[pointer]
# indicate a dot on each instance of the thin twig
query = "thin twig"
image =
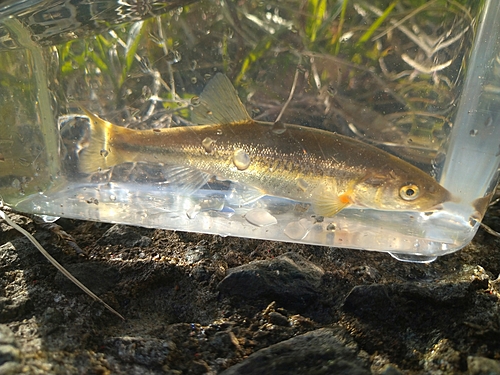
(56, 264)
(292, 91)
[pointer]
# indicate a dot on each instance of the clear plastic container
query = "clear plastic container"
(418, 80)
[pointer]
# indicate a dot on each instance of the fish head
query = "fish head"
(401, 189)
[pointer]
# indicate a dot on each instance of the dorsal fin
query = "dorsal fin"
(219, 104)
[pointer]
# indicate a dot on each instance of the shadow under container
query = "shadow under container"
(421, 82)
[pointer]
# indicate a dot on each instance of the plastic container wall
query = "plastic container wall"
(417, 81)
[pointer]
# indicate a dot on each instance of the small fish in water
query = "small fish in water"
(327, 170)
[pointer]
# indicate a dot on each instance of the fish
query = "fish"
(327, 170)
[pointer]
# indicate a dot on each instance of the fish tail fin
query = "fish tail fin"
(99, 154)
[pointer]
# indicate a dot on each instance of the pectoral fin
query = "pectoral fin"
(329, 200)
(330, 205)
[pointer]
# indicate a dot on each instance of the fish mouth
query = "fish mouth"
(437, 207)
(440, 206)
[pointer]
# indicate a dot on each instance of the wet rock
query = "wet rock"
(482, 366)
(289, 279)
(323, 351)
(125, 236)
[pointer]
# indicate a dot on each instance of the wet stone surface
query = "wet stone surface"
(200, 304)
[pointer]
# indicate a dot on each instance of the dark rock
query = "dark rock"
(16, 307)
(381, 300)
(383, 311)
(195, 254)
(225, 341)
(317, 352)
(289, 279)
(278, 319)
(125, 236)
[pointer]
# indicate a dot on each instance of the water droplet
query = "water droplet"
(302, 184)
(278, 127)
(241, 159)
(219, 132)
(296, 231)
(331, 227)
(104, 153)
(473, 132)
(195, 101)
(260, 218)
(112, 197)
(194, 80)
(488, 122)
(194, 64)
(208, 144)
(173, 57)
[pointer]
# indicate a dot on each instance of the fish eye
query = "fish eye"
(409, 192)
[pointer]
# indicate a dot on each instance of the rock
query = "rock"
(125, 236)
(289, 279)
(10, 355)
(393, 303)
(8, 254)
(390, 370)
(278, 319)
(144, 351)
(482, 366)
(223, 342)
(318, 352)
